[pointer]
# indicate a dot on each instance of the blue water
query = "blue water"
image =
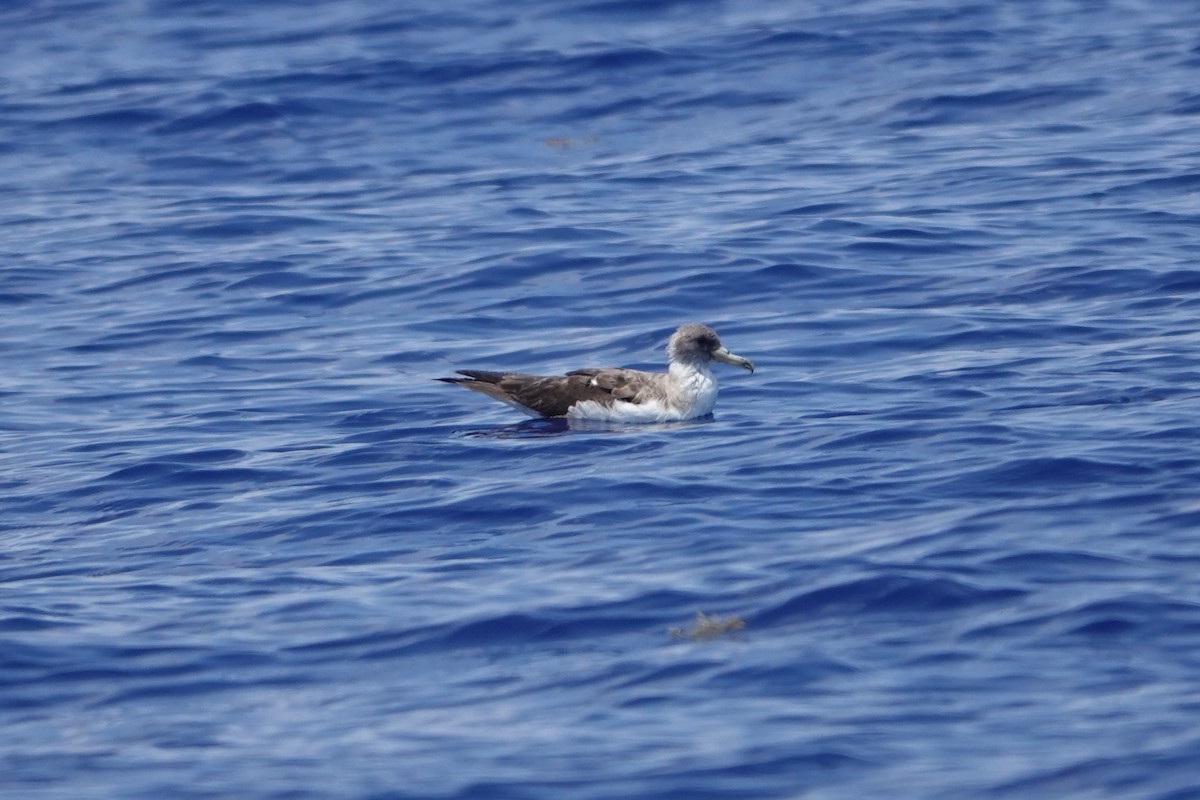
(252, 550)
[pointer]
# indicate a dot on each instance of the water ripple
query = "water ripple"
(253, 549)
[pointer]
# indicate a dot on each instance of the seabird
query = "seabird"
(685, 391)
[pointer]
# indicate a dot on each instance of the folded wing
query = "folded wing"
(553, 396)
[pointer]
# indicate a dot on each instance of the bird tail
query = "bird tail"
(484, 382)
(486, 376)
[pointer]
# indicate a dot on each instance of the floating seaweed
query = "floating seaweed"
(705, 627)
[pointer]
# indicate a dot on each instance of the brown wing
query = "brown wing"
(631, 385)
(553, 396)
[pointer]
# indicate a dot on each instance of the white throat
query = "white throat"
(693, 389)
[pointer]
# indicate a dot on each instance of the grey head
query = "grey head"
(698, 344)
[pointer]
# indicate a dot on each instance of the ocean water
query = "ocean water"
(945, 536)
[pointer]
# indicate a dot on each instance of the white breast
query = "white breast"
(694, 390)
